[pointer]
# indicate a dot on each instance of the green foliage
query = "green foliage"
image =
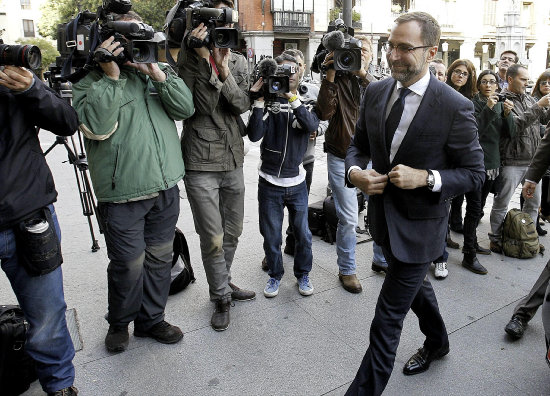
(49, 52)
(54, 12)
(335, 12)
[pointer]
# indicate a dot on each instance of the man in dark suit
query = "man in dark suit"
(422, 139)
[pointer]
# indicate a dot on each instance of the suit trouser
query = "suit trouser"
(217, 203)
(527, 307)
(405, 287)
(140, 239)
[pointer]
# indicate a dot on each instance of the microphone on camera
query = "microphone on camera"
(267, 67)
(333, 40)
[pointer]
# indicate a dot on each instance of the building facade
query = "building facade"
(18, 19)
(478, 30)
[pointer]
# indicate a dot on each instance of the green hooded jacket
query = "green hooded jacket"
(130, 135)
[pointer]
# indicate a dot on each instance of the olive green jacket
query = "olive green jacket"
(212, 138)
(130, 134)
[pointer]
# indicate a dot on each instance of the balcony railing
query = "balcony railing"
(287, 21)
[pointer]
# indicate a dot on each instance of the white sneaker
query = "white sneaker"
(440, 270)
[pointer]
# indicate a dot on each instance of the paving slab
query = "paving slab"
(295, 345)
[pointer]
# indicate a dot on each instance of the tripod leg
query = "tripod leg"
(85, 199)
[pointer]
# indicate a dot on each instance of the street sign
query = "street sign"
(250, 52)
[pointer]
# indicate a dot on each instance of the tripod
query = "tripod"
(80, 165)
(79, 162)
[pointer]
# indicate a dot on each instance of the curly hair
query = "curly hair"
(470, 88)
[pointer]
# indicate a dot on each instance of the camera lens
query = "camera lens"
(140, 54)
(222, 40)
(346, 59)
(28, 56)
(276, 86)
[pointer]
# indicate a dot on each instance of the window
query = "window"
(292, 6)
(25, 4)
(28, 28)
(489, 16)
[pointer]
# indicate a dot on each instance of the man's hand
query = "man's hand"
(221, 57)
(313, 135)
(408, 178)
(15, 78)
(150, 69)
(256, 88)
(329, 64)
(544, 101)
(200, 32)
(508, 106)
(111, 69)
(369, 181)
(528, 190)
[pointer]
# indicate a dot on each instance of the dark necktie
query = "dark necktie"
(395, 116)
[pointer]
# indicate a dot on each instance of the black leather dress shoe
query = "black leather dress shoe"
(420, 361)
(516, 327)
(474, 265)
(379, 267)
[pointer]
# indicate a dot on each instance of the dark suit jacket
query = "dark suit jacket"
(443, 137)
(541, 159)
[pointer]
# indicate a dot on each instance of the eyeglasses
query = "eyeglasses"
(402, 49)
(545, 83)
(488, 82)
(458, 73)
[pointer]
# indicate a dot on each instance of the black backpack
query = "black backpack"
(182, 272)
(17, 368)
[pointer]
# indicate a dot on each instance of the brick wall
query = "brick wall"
(250, 15)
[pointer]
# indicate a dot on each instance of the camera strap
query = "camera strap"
(70, 33)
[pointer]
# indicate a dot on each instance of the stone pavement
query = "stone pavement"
(294, 345)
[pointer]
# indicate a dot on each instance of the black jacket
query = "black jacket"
(26, 183)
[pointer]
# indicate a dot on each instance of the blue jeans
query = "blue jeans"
(345, 202)
(272, 200)
(42, 301)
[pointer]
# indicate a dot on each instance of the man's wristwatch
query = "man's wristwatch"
(430, 180)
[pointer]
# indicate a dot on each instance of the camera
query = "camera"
(347, 50)
(501, 97)
(349, 57)
(78, 40)
(136, 38)
(275, 77)
(187, 15)
(28, 56)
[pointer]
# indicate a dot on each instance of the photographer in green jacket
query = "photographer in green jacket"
(127, 115)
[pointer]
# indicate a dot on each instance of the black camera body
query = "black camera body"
(275, 79)
(78, 40)
(348, 58)
(347, 50)
(136, 38)
(187, 15)
(28, 56)
(501, 97)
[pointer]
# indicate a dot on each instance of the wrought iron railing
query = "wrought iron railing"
(288, 21)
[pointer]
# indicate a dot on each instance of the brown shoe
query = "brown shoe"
(351, 283)
(239, 294)
(452, 244)
(495, 247)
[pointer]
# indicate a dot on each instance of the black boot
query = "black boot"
(471, 262)
(220, 317)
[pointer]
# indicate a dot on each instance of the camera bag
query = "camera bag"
(17, 368)
(182, 273)
(519, 235)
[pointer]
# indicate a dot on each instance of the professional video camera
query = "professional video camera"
(347, 50)
(28, 56)
(275, 77)
(186, 15)
(78, 40)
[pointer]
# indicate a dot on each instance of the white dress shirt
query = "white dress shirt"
(412, 103)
